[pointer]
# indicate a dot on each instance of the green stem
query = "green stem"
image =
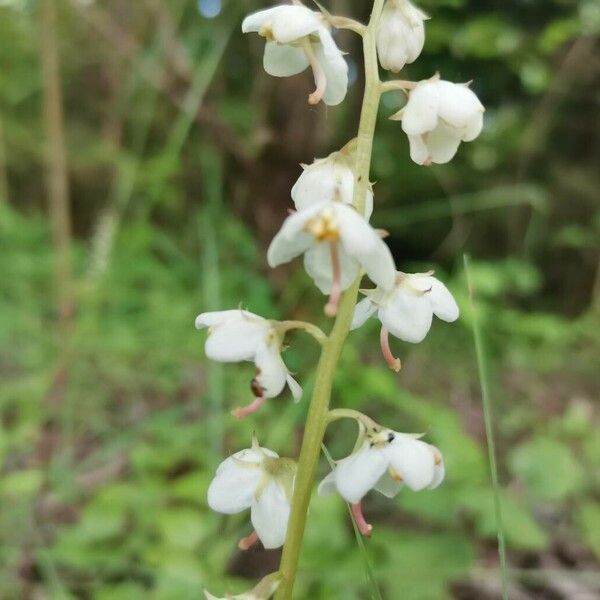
(317, 418)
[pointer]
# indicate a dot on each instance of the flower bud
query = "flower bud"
(401, 34)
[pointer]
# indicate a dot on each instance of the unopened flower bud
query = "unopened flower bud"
(401, 34)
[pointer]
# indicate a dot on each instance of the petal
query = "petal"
(421, 111)
(363, 243)
(232, 489)
(363, 311)
(369, 198)
(473, 129)
(442, 301)
(439, 471)
(413, 460)
(269, 514)
(208, 319)
(332, 61)
(458, 104)
(316, 184)
(253, 22)
(388, 486)
(252, 456)
(407, 316)
(327, 485)
(360, 472)
(317, 262)
(295, 387)
(419, 152)
(290, 23)
(282, 60)
(272, 372)
(292, 240)
(443, 143)
(235, 340)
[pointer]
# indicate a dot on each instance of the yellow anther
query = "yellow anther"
(267, 32)
(323, 227)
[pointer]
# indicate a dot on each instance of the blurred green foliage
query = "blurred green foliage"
(109, 437)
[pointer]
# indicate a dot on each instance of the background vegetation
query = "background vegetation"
(181, 153)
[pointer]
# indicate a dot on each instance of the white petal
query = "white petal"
(458, 104)
(209, 319)
(249, 455)
(332, 61)
(272, 372)
(407, 316)
(360, 472)
(269, 514)
(317, 262)
(327, 486)
(235, 340)
(283, 60)
(369, 204)
(363, 311)
(292, 240)
(317, 183)
(442, 302)
(421, 111)
(253, 22)
(295, 388)
(388, 486)
(363, 243)
(291, 23)
(232, 489)
(439, 471)
(419, 152)
(413, 460)
(473, 129)
(443, 143)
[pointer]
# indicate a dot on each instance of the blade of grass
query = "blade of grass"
(489, 428)
(368, 566)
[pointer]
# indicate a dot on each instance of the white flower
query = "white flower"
(263, 591)
(256, 478)
(400, 35)
(336, 242)
(239, 335)
(386, 461)
(406, 311)
(296, 38)
(438, 116)
(330, 178)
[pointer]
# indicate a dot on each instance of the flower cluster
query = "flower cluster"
(330, 228)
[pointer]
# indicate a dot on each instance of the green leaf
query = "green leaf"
(588, 521)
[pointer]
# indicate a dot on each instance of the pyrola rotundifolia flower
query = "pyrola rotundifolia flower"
(239, 335)
(297, 37)
(256, 478)
(336, 242)
(330, 178)
(406, 311)
(385, 462)
(401, 34)
(438, 116)
(263, 591)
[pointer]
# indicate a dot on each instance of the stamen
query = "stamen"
(249, 541)
(243, 411)
(318, 73)
(360, 520)
(393, 362)
(336, 281)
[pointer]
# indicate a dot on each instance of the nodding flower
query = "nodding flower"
(406, 311)
(296, 38)
(385, 461)
(256, 479)
(337, 242)
(239, 335)
(438, 116)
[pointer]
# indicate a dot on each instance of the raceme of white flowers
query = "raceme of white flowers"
(401, 34)
(256, 478)
(438, 116)
(297, 37)
(239, 335)
(330, 228)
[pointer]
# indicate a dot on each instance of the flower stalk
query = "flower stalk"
(318, 413)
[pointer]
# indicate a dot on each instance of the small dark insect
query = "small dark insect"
(391, 437)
